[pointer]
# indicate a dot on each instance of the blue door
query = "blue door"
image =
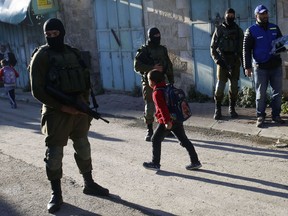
(120, 32)
(205, 16)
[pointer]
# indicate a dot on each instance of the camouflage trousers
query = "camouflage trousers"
(149, 109)
(58, 127)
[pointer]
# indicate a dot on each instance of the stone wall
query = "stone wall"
(78, 18)
(172, 19)
(282, 20)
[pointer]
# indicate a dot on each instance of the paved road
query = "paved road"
(238, 177)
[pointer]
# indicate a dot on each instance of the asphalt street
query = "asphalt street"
(238, 177)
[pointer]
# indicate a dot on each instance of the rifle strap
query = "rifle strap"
(95, 105)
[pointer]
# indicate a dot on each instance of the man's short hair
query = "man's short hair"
(156, 76)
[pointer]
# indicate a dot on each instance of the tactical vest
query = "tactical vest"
(229, 40)
(154, 55)
(66, 73)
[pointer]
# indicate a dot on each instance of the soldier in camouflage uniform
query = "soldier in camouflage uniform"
(59, 66)
(226, 51)
(148, 57)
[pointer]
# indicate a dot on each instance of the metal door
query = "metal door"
(120, 32)
(205, 15)
(22, 40)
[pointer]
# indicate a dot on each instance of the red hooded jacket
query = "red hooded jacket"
(162, 113)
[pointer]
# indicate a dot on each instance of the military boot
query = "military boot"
(217, 114)
(92, 188)
(149, 132)
(56, 199)
(232, 111)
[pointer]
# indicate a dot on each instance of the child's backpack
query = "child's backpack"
(177, 103)
(9, 75)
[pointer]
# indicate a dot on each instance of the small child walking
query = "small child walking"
(156, 81)
(9, 75)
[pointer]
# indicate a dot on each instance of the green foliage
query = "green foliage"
(284, 106)
(225, 101)
(246, 97)
(195, 96)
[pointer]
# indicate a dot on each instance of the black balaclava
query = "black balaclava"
(56, 43)
(151, 39)
(228, 20)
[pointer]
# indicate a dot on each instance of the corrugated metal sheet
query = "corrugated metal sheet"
(21, 40)
(118, 38)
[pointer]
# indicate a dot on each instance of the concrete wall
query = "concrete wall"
(172, 19)
(282, 20)
(78, 18)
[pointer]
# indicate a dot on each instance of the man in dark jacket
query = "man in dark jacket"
(267, 67)
(148, 57)
(226, 51)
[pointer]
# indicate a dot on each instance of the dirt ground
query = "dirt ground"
(239, 176)
(24, 190)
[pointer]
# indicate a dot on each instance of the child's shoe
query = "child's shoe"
(151, 166)
(194, 166)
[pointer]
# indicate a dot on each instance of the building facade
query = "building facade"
(110, 32)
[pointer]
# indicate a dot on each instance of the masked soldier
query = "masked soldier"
(60, 67)
(226, 51)
(148, 57)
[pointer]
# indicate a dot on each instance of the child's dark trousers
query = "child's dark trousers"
(178, 129)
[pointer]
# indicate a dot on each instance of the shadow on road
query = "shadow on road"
(6, 209)
(94, 135)
(68, 209)
(211, 180)
(241, 149)
(145, 210)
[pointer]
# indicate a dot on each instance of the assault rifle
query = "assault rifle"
(224, 64)
(72, 101)
(279, 45)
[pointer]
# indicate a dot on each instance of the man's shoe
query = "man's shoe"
(55, 203)
(149, 132)
(151, 166)
(233, 113)
(194, 166)
(278, 120)
(148, 136)
(95, 189)
(217, 114)
(260, 121)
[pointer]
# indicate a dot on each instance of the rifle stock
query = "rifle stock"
(77, 104)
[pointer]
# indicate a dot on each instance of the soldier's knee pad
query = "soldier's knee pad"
(82, 147)
(54, 158)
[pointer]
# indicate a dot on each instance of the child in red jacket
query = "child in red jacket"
(9, 75)
(166, 125)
